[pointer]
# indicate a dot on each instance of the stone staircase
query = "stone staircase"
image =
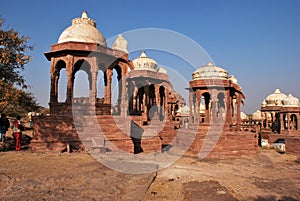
(92, 133)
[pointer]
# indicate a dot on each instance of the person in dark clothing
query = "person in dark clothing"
(4, 125)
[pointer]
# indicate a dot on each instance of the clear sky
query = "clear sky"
(258, 41)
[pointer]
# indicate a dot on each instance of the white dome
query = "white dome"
(275, 99)
(210, 71)
(244, 116)
(257, 115)
(162, 70)
(144, 63)
(82, 30)
(291, 101)
(202, 108)
(184, 110)
(120, 44)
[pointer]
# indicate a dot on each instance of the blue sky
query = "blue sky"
(258, 41)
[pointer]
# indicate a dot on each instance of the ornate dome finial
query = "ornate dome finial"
(84, 15)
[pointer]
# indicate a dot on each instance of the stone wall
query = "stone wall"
(214, 144)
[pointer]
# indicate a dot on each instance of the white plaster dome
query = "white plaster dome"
(256, 116)
(120, 44)
(144, 63)
(276, 98)
(210, 71)
(162, 70)
(82, 30)
(244, 116)
(184, 110)
(291, 101)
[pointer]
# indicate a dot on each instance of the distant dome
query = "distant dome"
(82, 30)
(184, 110)
(276, 98)
(202, 108)
(210, 71)
(244, 116)
(120, 44)
(144, 63)
(162, 70)
(291, 101)
(256, 116)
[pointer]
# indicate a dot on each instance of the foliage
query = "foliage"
(13, 99)
(12, 56)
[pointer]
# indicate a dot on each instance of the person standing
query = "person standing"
(4, 125)
(17, 129)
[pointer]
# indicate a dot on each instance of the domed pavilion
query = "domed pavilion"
(219, 93)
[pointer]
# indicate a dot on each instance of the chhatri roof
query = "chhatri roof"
(290, 101)
(210, 71)
(82, 30)
(143, 62)
(276, 98)
(257, 115)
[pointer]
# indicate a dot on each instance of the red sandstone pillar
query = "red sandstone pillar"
(107, 95)
(228, 110)
(54, 82)
(281, 121)
(191, 103)
(288, 121)
(93, 92)
(238, 115)
(166, 102)
(69, 95)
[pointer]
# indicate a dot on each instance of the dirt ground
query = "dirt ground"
(25, 175)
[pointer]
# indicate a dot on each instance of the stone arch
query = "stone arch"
(59, 81)
(116, 89)
(294, 122)
(100, 84)
(162, 103)
(81, 84)
(206, 101)
(221, 105)
(82, 65)
(152, 100)
(162, 95)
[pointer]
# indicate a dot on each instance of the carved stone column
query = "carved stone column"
(238, 115)
(69, 95)
(166, 102)
(157, 98)
(123, 91)
(70, 80)
(228, 109)
(54, 82)
(93, 93)
(282, 121)
(288, 121)
(191, 93)
(197, 103)
(107, 94)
